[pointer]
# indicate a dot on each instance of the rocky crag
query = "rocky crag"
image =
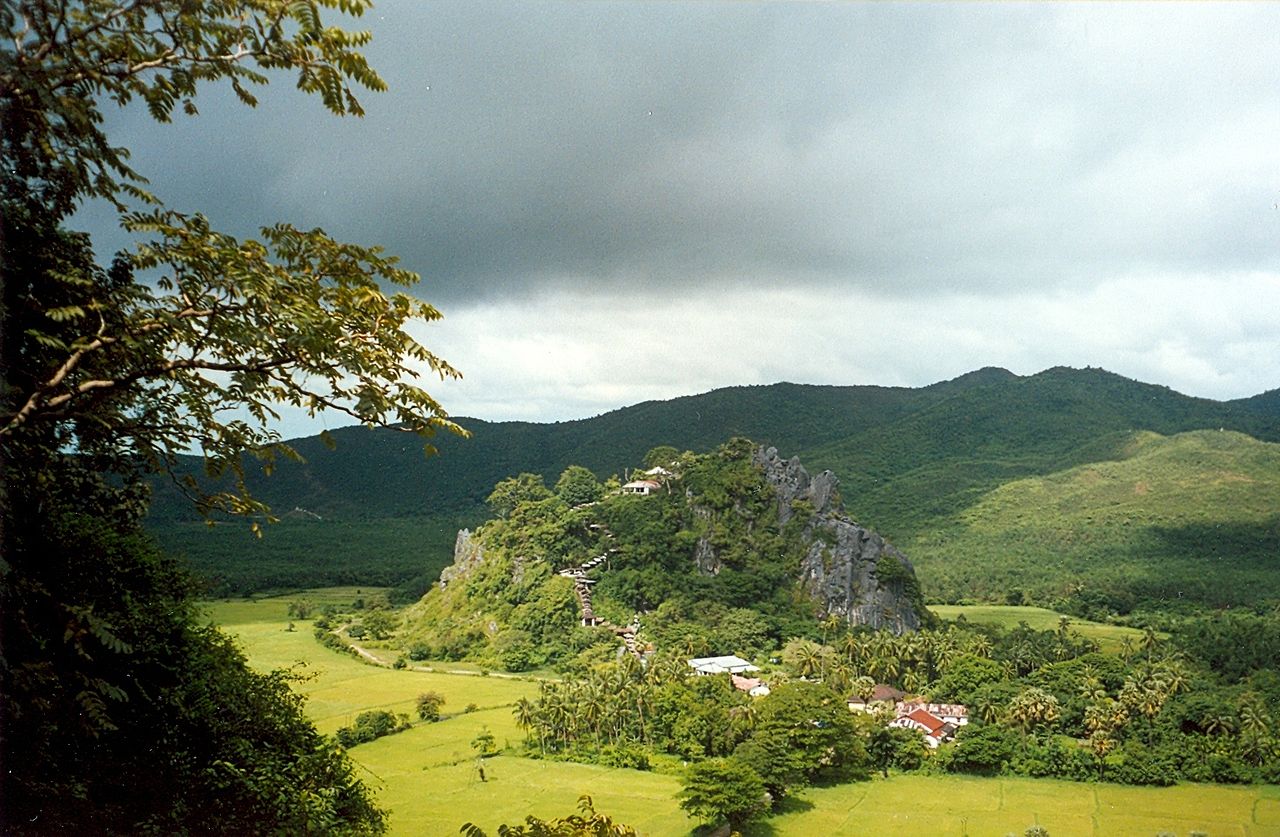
(850, 571)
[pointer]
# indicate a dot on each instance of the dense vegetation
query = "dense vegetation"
(514, 610)
(1169, 522)
(439, 756)
(1197, 707)
(122, 712)
(926, 467)
(300, 551)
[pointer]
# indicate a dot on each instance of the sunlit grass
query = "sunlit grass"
(1109, 637)
(429, 777)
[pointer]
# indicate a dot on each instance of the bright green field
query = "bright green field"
(428, 778)
(1109, 637)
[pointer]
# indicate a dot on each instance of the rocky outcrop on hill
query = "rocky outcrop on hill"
(467, 553)
(850, 571)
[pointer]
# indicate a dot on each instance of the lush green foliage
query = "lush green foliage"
(106, 671)
(513, 609)
(369, 725)
(98, 685)
(723, 789)
(146, 371)
(913, 466)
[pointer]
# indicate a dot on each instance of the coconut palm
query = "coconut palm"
(1150, 641)
(851, 647)
(1031, 708)
(526, 712)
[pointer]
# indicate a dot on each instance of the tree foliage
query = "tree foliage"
(191, 341)
(723, 789)
(588, 822)
(224, 331)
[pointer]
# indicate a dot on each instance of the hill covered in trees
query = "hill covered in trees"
(734, 549)
(913, 464)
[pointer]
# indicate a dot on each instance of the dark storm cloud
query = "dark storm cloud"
(888, 146)
(834, 193)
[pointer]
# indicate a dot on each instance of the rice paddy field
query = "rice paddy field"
(429, 778)
(1109, 637)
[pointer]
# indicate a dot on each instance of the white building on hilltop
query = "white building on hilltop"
(721, 665)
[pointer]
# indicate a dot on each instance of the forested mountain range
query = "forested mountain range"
(912, 463)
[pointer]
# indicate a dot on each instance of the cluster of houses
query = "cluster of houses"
(937, 722)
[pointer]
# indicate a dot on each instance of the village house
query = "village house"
(753, 686)
(642, 487)
(956, 714)
(881, 694)
(934, 728)
(729, 664)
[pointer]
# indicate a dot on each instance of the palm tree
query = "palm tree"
(1150, 640)
(851, 647)
(1033, 707)
(887, 667)
(808, 659)
(981, 646)
(840, 677)
(526, 713)
(1218, 723)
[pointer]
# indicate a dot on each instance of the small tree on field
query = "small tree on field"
(429, 705)
(724, 789)
(484, 743)
(379, 624)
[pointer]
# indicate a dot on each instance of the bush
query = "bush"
(370, 725)
(429, 704)
(626, 756)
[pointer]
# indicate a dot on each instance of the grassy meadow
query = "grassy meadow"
(1110, 638)
(429, 778)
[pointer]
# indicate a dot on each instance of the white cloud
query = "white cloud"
(568, 355)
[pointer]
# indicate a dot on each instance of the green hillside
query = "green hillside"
(1193, 517)
(901, 477)
(911, 462)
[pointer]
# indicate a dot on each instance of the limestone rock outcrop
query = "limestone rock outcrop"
(850, 571)
(467, 554)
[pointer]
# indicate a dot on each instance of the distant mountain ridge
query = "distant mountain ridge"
(380, 473)
(910, 460)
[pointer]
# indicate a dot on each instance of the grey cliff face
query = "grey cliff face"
(467, 553)
(850, 571)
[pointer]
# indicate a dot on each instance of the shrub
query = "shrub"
(429, 704)
(370, 725)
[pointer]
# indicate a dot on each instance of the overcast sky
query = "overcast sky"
(613, 202)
